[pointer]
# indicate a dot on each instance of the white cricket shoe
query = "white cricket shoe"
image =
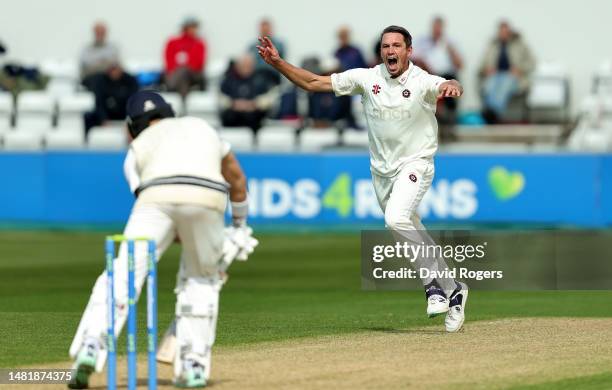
(193, 376)
(437, 303)
(456, 313)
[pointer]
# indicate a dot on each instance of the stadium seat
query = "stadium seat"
(64, 76)
(215, 69)
(4, 128)
(175, 100)
(602, 82)
(314, 140)
(276, 139)
(241, 138)
(6, 108)
(71, 109)
(588, 137)
(78, 102)
(355, 138)
(548, 98)
(60, 87)
(358, 113)
(66, 69)
(35, 109)
(107, 138)
(64, 139)
(21, 140)
(203, 105)
(594, 110)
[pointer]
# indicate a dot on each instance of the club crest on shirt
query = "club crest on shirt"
(406, 93)
(376, 89)
(412, 176)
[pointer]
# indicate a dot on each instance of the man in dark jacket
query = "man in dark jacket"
(246, 95)
(112, 90)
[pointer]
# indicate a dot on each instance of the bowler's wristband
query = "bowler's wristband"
(240, 210)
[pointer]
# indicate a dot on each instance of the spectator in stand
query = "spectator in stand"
(112, 90)
(97, 57)
(505, 70)
(377, 58)
(349, 57)
(266, 30)
(185, 57)
(246, 95)
(438, 54)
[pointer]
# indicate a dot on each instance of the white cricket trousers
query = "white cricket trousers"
(201, 233)
(399, 197)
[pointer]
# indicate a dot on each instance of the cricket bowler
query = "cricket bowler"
(181, 173)
(399, 102)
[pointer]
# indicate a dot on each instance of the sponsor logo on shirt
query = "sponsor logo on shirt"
(396, 114)
(406, 93)
(376, 89)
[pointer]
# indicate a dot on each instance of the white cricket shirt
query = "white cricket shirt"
(177, 147)
(400, 113)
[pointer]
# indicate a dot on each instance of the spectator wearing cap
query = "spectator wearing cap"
(97, 57)
(112, 91)
(185, 58)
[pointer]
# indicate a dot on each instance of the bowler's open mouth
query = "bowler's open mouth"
(392, 60)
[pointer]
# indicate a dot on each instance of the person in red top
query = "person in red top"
(185, 57)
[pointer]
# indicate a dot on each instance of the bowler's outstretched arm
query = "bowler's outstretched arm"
(301, 77)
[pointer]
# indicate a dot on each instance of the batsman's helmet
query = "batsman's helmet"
(143, 107)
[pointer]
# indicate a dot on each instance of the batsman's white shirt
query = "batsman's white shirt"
(185, 146)
(400, 113)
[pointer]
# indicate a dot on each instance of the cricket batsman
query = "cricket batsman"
(181, 174)
(399, 102)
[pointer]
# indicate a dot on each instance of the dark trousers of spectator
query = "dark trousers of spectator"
(446, 114)
(328, 107)
(92, 119)
(253, 119)
(449, 104)
(182, 79)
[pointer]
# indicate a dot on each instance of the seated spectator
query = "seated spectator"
(505, 68)
(97, 57)
(349, 56)
(112, 90)
(265, 30)
(185, 57)
(377, 59)
(246, 95)
(438, 55)
(321, 105)
(339, 108)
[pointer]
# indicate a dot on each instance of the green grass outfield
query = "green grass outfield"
(294, 286)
